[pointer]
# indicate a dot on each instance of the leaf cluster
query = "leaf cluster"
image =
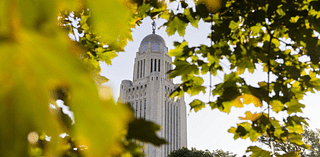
(279, 35)
(40, 65)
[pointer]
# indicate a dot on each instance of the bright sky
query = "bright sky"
(207, 129)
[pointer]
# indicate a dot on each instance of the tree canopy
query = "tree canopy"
(185, 152)
(40, 64)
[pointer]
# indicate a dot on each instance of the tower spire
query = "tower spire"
(153, 26)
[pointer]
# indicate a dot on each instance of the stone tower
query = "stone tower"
(148, 95)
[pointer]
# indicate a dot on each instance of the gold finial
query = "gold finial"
(153, 26)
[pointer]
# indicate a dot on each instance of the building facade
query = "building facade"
(148, 94)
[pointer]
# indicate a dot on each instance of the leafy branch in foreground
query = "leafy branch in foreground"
(280, 36)
(41, 64)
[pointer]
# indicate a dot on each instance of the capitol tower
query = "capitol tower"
(148, 95)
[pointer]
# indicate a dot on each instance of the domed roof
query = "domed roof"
(153, 38)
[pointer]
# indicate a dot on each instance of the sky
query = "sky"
(207, 129)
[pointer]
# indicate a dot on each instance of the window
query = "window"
(129, 89)
(137, 108)
(151, 65)
(156, 78)
(138, 70)
(140, 108)
(137, 87)
(159, 65)
(145, 108)
(144, 47)
(144, 66)
(155, 46)
(122, 86)
(145, 86)
(141, 69)
(155, 65)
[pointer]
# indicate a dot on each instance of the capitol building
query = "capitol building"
(148, 94)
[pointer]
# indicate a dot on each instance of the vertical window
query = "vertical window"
(151, 65)
(140, 109)
(141, 69)
(177, 127)
(174, 127)
(155, 65)
(137, 109)
(145, 109)
(171, 126)
(138, 70)
(159, 65)
(144, 66)
(165, 125)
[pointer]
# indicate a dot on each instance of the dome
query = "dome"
(153, 38)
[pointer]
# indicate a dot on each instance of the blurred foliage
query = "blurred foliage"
(185, 152)
(40, 65)
(281, 36)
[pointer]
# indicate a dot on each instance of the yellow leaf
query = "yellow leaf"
(248, 99)
(250, 116)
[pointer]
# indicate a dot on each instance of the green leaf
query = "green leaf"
(35, 66)
(277, 106)
(256, 29)
(147, 135)
(176, 25)
(197, 105)
(178, 51)
(295, 128)
(295, 138)
(104, 15)
(233, 25)
(294, 106)
(193, 21)
(258, 152)
(35, 12)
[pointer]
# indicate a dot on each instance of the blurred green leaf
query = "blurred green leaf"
(144, 131)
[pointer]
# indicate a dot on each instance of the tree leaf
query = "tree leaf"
(197, 105)
(250, 116)
(258, 152)
(176, 25)
(277, 106)
(104, 15)
(147, 135)
(294, 106)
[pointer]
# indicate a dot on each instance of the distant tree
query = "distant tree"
(185, 152)
(310, 137)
